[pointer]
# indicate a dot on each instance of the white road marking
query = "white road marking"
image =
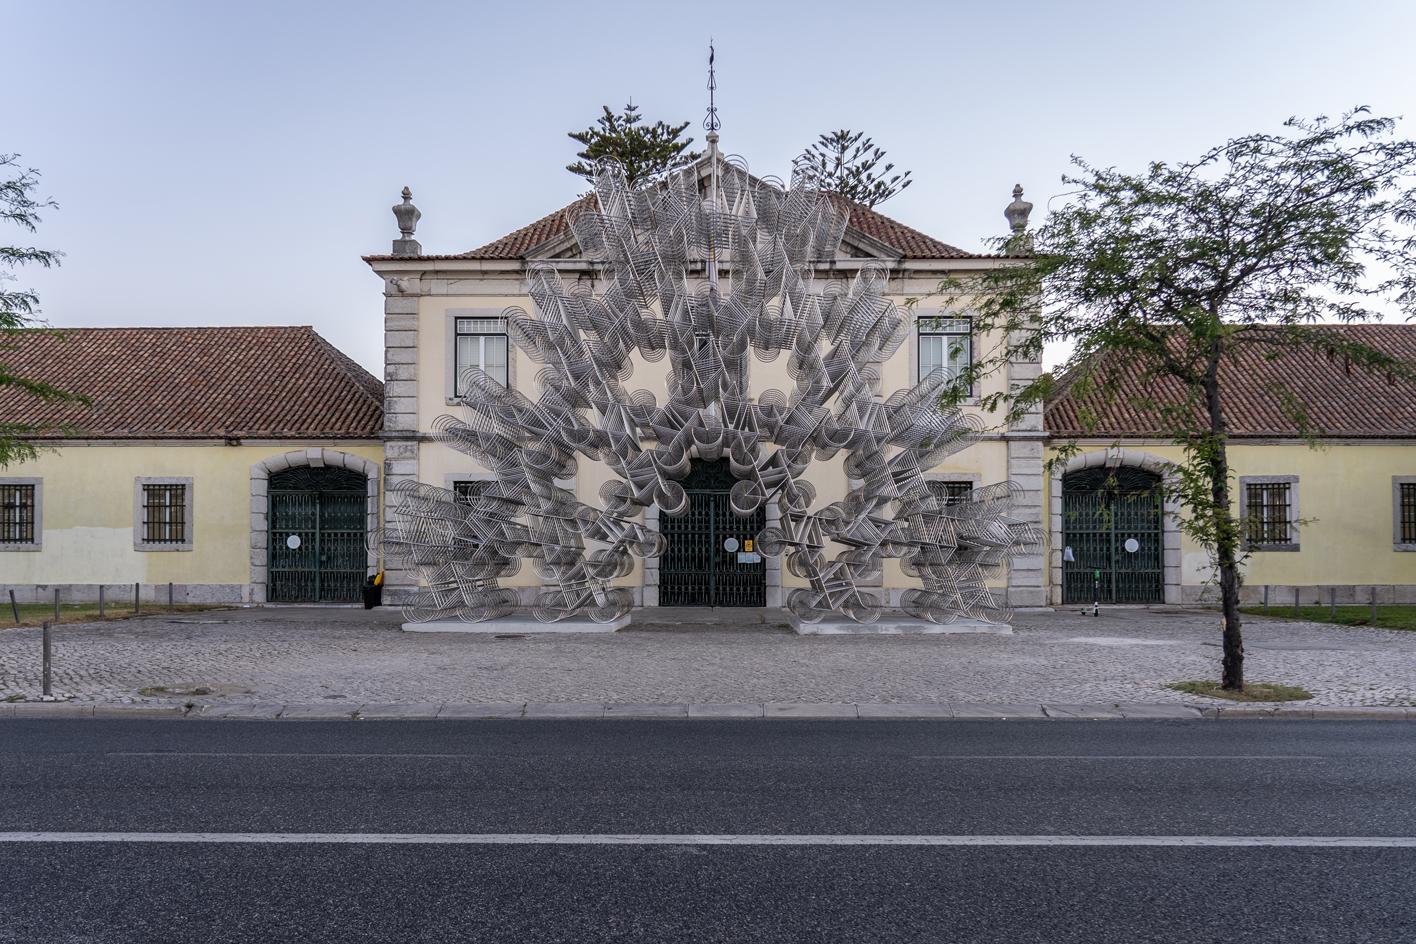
(267, 754)
(657, 839)
(1118, 757)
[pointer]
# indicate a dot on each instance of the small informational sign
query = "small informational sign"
(747, 545)
(730, 545)
(1132, 545)
(749, 557)
(293, 542)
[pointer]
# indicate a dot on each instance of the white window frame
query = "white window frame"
(941, 325)
(38, 542)
(454, 367)
(188, 517)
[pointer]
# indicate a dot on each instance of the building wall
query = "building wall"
(1345, 532)
(419, 383)
(87, 517)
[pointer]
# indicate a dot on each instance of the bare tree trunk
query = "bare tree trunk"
(1226, 531)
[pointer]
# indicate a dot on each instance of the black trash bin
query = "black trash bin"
(373, 591)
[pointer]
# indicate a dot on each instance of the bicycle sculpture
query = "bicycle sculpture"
(714, 283)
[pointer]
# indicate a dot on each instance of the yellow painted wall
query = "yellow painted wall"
(1345, 499)
(87, 512)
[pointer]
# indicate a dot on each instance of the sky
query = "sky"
(229, 163)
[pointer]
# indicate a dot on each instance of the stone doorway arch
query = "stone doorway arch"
(260, 505)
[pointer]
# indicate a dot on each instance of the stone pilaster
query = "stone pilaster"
(400, 412)
(1027, 585)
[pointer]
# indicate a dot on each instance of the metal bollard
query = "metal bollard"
(1295, 602)
(48, 688)
(14, 608)
(169, 593)
(137, 599)
(56, 604)
(1266, 590)
(1332, 604)
(1373, 620)
(100, 601)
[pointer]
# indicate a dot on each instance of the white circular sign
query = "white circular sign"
(730, 545)
(293, 542)
(1132, 545)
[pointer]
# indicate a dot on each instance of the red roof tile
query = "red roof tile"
(1341, 402)
(194, 383)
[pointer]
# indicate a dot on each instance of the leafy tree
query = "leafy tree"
(845, 162)
(19, 309)
(1168, 274)
(642, 151)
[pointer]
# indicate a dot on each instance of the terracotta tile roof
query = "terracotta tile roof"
(1341, 403)
(194, 383)
(907, 242)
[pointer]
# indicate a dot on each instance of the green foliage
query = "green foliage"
(1401, 617)
(19, 309)
(642, 151)
(1162, 276)
(845, 162)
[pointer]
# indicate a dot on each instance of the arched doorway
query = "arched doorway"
(710, 559)
(318, 535)
(1113, 525)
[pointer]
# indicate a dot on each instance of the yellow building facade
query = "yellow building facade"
(203, 457)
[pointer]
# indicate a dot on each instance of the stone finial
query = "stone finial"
(1017, 212)
(407, 216)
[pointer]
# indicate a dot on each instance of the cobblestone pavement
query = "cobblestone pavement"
(309, 655)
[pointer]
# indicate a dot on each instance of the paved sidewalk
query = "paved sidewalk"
(341, 660)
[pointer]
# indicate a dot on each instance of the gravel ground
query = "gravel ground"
(307, 655)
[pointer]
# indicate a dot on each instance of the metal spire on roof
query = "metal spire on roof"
(711, 125)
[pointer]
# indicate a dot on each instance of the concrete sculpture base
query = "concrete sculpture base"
(516, 626)
(896, 627)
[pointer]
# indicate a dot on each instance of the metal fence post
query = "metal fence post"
(56, 604)
(48, 688)
(15, 608)
(137, 597)
(100, 601)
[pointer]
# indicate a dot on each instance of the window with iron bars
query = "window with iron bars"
(164, 514)
(467, 490)
(16, 514)
(951, 493)
(1269, 506)
(1408, 512)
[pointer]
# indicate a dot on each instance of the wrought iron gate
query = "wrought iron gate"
(317, 535)
(1112, 521)
(697, 568)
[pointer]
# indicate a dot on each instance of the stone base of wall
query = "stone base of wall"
(1317, 595)
(121, 594)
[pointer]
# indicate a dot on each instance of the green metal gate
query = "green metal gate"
(697, 568)
(317, 535)
(1112, 522)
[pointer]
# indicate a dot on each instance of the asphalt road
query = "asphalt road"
(520, 812)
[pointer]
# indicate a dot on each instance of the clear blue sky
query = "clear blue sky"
(228, 163)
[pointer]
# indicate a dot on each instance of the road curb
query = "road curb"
(863, 711)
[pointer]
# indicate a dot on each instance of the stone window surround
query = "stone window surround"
(260, 504)
(450, 348)
(1396, 511)
(1292, 481)
(1113, 457)
(189, 520)
(38, 543)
